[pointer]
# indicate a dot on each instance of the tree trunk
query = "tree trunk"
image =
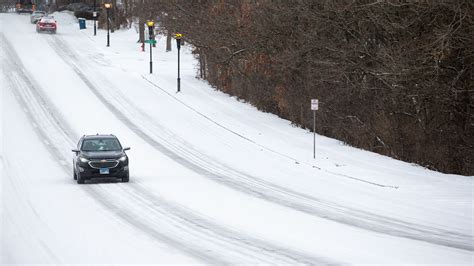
(168, 42)
(113, 14)
(141, 29)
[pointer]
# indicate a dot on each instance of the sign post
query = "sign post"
(151, 40)
(314, 108)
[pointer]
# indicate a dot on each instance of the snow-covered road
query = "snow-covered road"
(212, 179)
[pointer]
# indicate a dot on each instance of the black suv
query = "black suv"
(100, 156)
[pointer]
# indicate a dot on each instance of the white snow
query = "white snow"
(213, 180)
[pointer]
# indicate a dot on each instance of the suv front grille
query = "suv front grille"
(103, 164)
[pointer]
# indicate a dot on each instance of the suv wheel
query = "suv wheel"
(126, 178)
(80, 180)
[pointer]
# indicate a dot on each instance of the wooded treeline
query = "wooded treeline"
(394, 77)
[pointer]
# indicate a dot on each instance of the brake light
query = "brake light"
(44, 24)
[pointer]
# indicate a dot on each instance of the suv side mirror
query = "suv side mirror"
(74, 150)
(126, 148)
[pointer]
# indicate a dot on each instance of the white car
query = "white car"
(36, 15)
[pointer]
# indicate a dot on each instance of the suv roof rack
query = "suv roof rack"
(97, 134)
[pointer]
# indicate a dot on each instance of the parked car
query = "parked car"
(100, 156)
(47, 23)
(36, 15)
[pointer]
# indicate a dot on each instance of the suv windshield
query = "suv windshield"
(106, 144)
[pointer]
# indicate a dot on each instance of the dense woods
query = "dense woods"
(393, 77)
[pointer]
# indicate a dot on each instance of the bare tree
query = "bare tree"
(394, 77)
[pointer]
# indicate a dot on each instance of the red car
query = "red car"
(46, 24)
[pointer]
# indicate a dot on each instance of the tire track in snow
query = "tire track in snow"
(190, 219)
(254, 186)
(17, 186)
(34, 106)
(150, 214)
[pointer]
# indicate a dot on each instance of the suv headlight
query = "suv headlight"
(84, 160)
(123, 158)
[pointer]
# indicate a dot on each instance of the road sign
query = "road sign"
(94, 14)
(314, 104)
(150, 41)
(314, 107)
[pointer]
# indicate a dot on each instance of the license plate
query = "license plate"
(104, 171)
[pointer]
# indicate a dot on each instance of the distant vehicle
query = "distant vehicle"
(36, 15)
(100, 156)
(25, 6)
(47, 23)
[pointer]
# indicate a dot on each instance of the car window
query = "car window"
(106, 144)
(79, 143)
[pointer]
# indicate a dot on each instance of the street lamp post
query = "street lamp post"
(107, 7)
(178, 37)
(151, 24)
(94, 15)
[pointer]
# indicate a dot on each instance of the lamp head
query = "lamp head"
(108, 5)
(150, 23)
